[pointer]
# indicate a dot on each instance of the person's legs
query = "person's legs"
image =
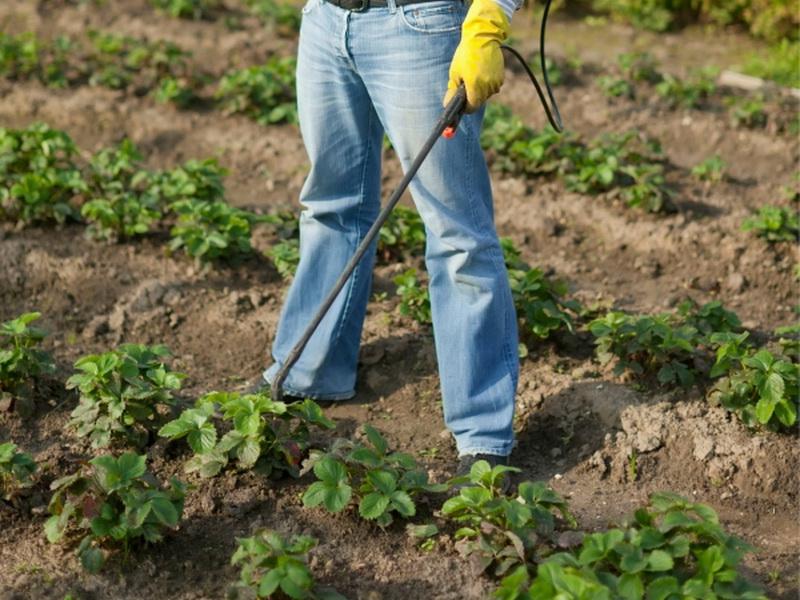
(403, 58)
(341, 198)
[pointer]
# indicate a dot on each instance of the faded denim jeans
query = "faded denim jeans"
(360, 74)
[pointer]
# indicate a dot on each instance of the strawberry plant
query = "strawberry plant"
(383, 482)
(774, 224)
(269, 436)
(647, 189)
(273, 566)
(211, 231)
(761, 388)
(198, 180)
(285, 256)
(121, 392)
(639, 66)
(541, 307)
(711, 169)
(265, 93)
(38, 178)
(687, 93)
(503, 532)
(24, 56)
(120, 206)
(402, 235)
(111, 502)
(415, 302)
(615, 87)
(672, 548)
(177, 91)
(602, 164)
(747, 112)
(647, 344)
(710, 318)
(120, 62)
(276, 14)
(513, 147)
(21, 362)
(16, 470)
(188, 9)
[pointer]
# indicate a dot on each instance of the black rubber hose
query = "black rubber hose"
(553, 114)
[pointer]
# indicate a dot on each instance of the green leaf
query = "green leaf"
(202, 440)
(269, 583)
(630, 586)
(174, 429)
(165, 511)
(373, 505)
(336, 499)
(248, 453)
(663, 588)
(376, 439)
(330, 470)
(383, 481)
(403, 503)
(92, 559)
(773, 388)
(659, 561)
(315, 494)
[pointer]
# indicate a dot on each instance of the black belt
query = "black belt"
(362, 5)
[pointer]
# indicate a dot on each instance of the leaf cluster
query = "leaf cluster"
(627, 163)
(111, 502)
(415, 301)
(541, 307)
(402, 235)
(209, 231)
(21, 361)
(383, 482)
(16, 471)
(666, 344)
(503, 532)
(775, 223)
(760, 387)
(272, 565)
(285, 255)
(275, 14)
(24, 56)
(265, 93)
(689, 92)
(672, 549)
(711, 169)
(271, 437)
(188, 9)
(39, 180)
(121, 392)
(123, 203)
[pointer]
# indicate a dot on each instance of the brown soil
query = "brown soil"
(577, 425)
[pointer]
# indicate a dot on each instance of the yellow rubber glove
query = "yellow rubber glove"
(478, 60)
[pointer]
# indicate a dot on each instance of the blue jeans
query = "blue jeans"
(360, 74)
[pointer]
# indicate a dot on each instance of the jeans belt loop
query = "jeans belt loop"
(392, 6)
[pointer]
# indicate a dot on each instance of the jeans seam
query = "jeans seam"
(354, 277)
(499, 265)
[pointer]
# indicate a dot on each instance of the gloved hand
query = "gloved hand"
(478, 60)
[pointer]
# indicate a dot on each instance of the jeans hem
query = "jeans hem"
(497, 451)
(313, 395)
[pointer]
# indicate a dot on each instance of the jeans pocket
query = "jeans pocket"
(442, 16)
